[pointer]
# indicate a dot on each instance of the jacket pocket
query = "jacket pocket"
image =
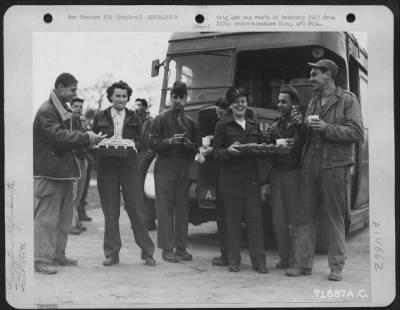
(43, 187)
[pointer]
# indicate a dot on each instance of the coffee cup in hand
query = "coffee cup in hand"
(312, 118)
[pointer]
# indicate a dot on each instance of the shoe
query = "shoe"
(84, 217)
(45, 268)
(169, 256)
(64, 261)
(220, 261)
(149, 261)
(151, 225)
(297, 272)
(234, 268)
(75, 231)
(283, 264)
(335, 275)
(262, 269)
(81, 227)
(183, 254)
(112, 260)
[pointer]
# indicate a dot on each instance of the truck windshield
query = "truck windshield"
(206, 75)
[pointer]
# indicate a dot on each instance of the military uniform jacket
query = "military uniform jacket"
(342, 113)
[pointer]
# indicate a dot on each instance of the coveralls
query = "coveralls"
(171, 176)
(239, 187)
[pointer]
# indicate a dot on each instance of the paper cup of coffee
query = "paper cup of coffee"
(312, 118)
(282, 142)
(206, 141)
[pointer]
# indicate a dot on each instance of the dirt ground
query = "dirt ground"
(196, 283)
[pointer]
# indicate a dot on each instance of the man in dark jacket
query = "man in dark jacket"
(54, 170)
(173, 137)
(334, 124)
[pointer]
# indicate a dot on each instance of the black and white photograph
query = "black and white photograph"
(173, 167)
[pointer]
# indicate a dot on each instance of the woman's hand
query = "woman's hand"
(232, 150)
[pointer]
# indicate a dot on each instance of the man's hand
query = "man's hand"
(95, 137)
(176, 139)
(296, 116)
(290, 142)
(317, 124)
(205, 150)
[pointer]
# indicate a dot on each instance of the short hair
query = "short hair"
(65, 79)
(143, 102)
(76, 99)
(222, 103)
(291, 91)
(120, 85)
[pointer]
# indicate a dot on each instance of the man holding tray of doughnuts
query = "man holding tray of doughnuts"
(116, 172)
(54, 171)
(173, 136)
(334, 124)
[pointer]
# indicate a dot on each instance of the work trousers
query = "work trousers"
(79, 188)
(240, 189)
(171, 176)
(324, 190)
(294, 231)
(147, 209)
(114, 173)
(52, 218)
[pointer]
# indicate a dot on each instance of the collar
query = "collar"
(114, 113)
(64, 111)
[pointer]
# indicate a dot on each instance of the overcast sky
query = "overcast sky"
(91, 55)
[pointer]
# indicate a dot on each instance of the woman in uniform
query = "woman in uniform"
(239, 181)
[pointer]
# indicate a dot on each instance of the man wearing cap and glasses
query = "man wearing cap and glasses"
(334, 124)
(173, 137)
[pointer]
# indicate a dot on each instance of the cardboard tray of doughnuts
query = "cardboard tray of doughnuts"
(263, 149)
(113, 151)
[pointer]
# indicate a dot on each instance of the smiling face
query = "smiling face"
(239, 106)
(284, 104)
(119, 98)
(319, 79)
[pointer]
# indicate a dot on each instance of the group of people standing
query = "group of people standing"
(312, 177)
